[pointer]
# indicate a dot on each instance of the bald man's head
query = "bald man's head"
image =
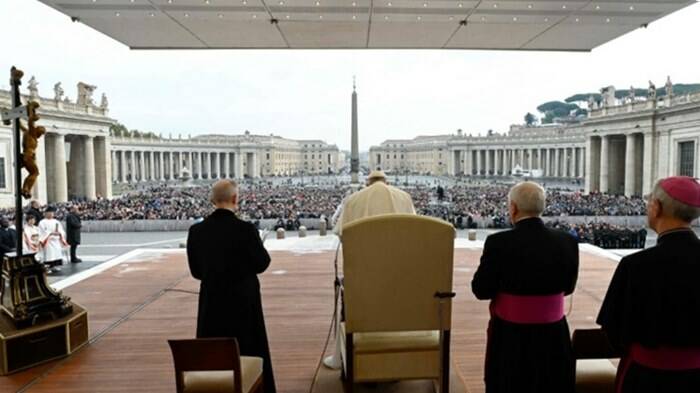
(224, 194)
(527, 199)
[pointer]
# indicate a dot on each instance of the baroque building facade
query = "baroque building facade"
(79, 158)
(622, 147)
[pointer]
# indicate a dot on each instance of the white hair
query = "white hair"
(529, 197)
(672, 207)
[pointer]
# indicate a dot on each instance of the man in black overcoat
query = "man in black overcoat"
(525, 273)
(73, 226)
(651, 311)
(226, 254)
(8, 237)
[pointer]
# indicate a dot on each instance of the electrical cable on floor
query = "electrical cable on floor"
(182, 290)
(331, 328)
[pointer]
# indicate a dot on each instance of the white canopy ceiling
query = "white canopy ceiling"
(574, 25)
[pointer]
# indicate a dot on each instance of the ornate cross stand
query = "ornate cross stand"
(24, 294)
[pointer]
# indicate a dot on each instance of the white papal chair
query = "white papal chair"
(397, 299)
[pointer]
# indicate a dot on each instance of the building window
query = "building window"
(2, 173)
(268, 156)
(687, 158)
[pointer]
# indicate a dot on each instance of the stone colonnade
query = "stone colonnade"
(615, 163)
(133, 165)
(563, 162)
(76, 166)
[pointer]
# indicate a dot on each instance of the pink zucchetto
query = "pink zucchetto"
(684, 189)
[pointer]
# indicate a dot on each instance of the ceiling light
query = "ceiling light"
(255, 16)
(221, 16)
(151, 14)
(187, 15)
(460, 5)
(425, 4)
(418, 17)
(515, 19)
(206, 1)
(354, 3)
(563, 7)
(495, 5)
(170, 1)
(245, 2)
(388, 4)
(117, 14)
(320, 17)
(451, 18)
(607, 20)
(354, 17)
(597, 7)
(281, 2)
(578, 20)
(546, 19)
(631, 8)
(529, 6)
(483, 19)
(286, 16)
(318, 3)
(386, 17)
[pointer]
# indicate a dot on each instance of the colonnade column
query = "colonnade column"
(630, 165)
(604, 162)
(59, 180)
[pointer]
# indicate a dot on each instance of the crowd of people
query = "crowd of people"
(603, 235)
(287, 204)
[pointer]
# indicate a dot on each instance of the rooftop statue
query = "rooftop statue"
(104, 103)
(632, 96)
(58, 92)
(669, 87)
(608, 94)
(651, 94)
(592, 105)
(33, 87)
(85, 93)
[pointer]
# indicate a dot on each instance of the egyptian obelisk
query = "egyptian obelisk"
(354, 150)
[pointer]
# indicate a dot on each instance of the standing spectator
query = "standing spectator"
(226, 254)
(34, 210)
(73, 226)
(525, 273)
(8, 237)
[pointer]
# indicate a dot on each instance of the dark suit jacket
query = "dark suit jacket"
(73, 226)
(8, 241)
(226, 254)
(528, 260)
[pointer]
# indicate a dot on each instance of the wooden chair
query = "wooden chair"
(594, 371)
(397, 299)
(214, 365)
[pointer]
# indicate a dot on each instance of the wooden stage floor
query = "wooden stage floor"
(135, 306)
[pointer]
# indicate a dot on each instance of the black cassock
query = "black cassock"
(654, 300)
(227, 254)
(528, 260)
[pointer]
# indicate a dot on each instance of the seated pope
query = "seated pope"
(525, 272)
(651, 312)
(375, 199)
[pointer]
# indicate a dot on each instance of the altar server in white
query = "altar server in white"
(52, 238)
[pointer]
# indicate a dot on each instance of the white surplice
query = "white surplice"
(53, 239)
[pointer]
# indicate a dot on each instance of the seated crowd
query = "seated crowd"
(649, 314)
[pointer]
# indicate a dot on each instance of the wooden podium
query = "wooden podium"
(28, 347)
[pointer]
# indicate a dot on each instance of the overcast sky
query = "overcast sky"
(306, 94)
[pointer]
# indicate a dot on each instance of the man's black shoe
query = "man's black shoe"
(76, 260)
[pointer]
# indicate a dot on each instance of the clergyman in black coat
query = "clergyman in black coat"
(226, 254)
(73, 226)
(528, 353)
(651, 311)
(8, 237)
